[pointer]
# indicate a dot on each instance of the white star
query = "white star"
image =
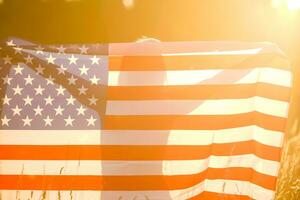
(72, 80)
(16, 110)
(28, 59)
(27, 100)
(18, 69)
(48, 121)
(61, 49)
(6, 100)
(28, 80)
(59, 110)
(93, 100)
(83, 50)
(95, 60)
(50, 80)
(17, 90)
(27, 121)
(50, 59)
(94, 80)
(61, 69)
(73, 60)
(91, 121)
(70, 100)
(60, 90)
(81, 110)
(39, 50)
(83, 70)
(6, 80)
(38, 110)
(82, 90)
(40, 70)
(5, 121)
(39, 90)
(18, 50)
(10, 43)
(48, 100)
(7, 59)
(69, 121)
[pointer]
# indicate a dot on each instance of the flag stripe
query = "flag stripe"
(140, 137)
(200, 77)
(194, 62)
(198, 107)
(233, 189)
(124, 152)
(204, 92)
(192, 122)
(118, 168)
(149, 182)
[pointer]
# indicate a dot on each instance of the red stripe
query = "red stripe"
(193, 122)
(205, 92)
(193, 62)
(146, 182)
(135, 152)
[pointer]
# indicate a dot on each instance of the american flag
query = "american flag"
(148, 120)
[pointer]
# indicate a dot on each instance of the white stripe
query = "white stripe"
(140, 137)
(229, 186)
(123, 168)
(197, 77)
(239, 188)
(198, 107)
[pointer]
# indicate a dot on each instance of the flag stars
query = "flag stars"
(48, 121)
(28, 80)
(40, 70)
(7, 59)
(61, 69)
(28, 59)
(17, 90)
(95, 60)
(38, 110)
(70, 100)
(91, 121)
(6, 100)
(83, 70)
(39, 90)
(39, 50)
(94, 80)
(27, 100)
(59, 111)
(69, 121)
(93, 101)
(83, 49)
(16, 110)
(50, 59)
(5, 121)
(27, 121)
(60, 90)
(18, 70)
(81, 110)
(10, 43)
(6, 80)
(82, 90)
(18, 50)
(50, 80)
(61, 49)
(48, 100)
(72, 60)
(72, 80)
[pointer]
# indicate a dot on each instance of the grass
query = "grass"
(288, 184)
